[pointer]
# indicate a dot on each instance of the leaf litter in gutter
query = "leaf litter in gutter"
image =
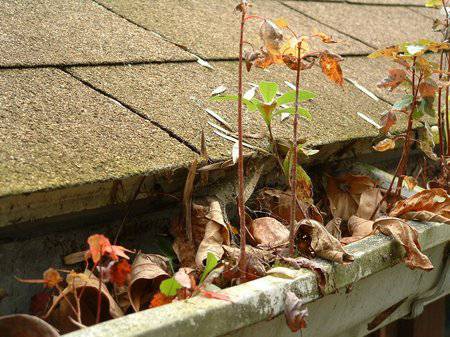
(363, 89)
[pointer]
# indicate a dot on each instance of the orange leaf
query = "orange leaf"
(160, 299)
(217, 296)
(280, 22)
(119, 272)
(331, 68)
(394, 79)
(52, 277)
(324, 37)
(99, 246)
(384, 145)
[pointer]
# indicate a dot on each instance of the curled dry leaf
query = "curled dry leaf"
(368, 203)
(323, 243)
(387, 120)
(344, 194)
(334, 227)
(322, 36)
(209, 233)
(435, 200)
(271, 36)
(147, 272)
(86, 286)
(394, 79)
(257, 259)
(278, 204)
(385, 145)
(21, 325)
(183, 278)
(294, 312)
(269, 231)
(425, 216)
(331, 68)
(407, 236)
(359, 228)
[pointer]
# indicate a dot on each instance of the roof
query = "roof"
(104, 90)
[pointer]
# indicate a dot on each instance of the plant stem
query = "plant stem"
(447, 124)
(294, 158)
(241, 206)
(403, 164)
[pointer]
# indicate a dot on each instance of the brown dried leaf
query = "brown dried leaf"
(407, 236)
(359, 228)
(334, 227)
(387, 120)
(368, 202)
(323, 243)
(435, 200)
(425, 216)
(331, 68)
(324, 37)
(210, 218)
(294, 312)
(385, 145)
(147, 272)
(344, 193)
(257, 259)
(21, 325)
(271, 36)
(268, 231)
(428, 89)
(394, 79)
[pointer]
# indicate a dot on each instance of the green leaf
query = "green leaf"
(211, 263)
(301, 111)
(169, 287)
(404, 103)
(289, 97)
(268, 90)
(222, 98)
(266, 111)
(425, 107)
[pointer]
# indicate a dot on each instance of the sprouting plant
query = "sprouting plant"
(415, 76)
(281, 45)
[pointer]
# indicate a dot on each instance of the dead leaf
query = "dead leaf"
(322, 36)
(147, 272)
(50, 278)
(257, 259)
(281, 22)
(434, 200)
(428, 89)
(21, 325)
(294, 312)
(368, 203)
(278, 204)
(394, 79)
(160, 299)
(385, 145)
(268, 231)
(271, 36)
(407, 236)
(425, 216)
(387, 120)
(359, 228)
(331, 68)
(86, 286)
(323, 243)
(210, 218)
(334, 227)
(344, 194)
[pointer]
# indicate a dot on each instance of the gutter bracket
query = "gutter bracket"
(440, 289)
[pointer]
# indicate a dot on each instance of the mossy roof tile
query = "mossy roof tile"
(211, 28)
(164, 93)
(56, 132)
(52, 32)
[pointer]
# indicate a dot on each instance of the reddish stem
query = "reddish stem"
(241, 206)
(250, 17)
(440, 124)
(294, 158)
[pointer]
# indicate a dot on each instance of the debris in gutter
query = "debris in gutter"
(369, 120)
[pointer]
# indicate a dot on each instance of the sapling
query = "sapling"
(415, 76)
(281, 45)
